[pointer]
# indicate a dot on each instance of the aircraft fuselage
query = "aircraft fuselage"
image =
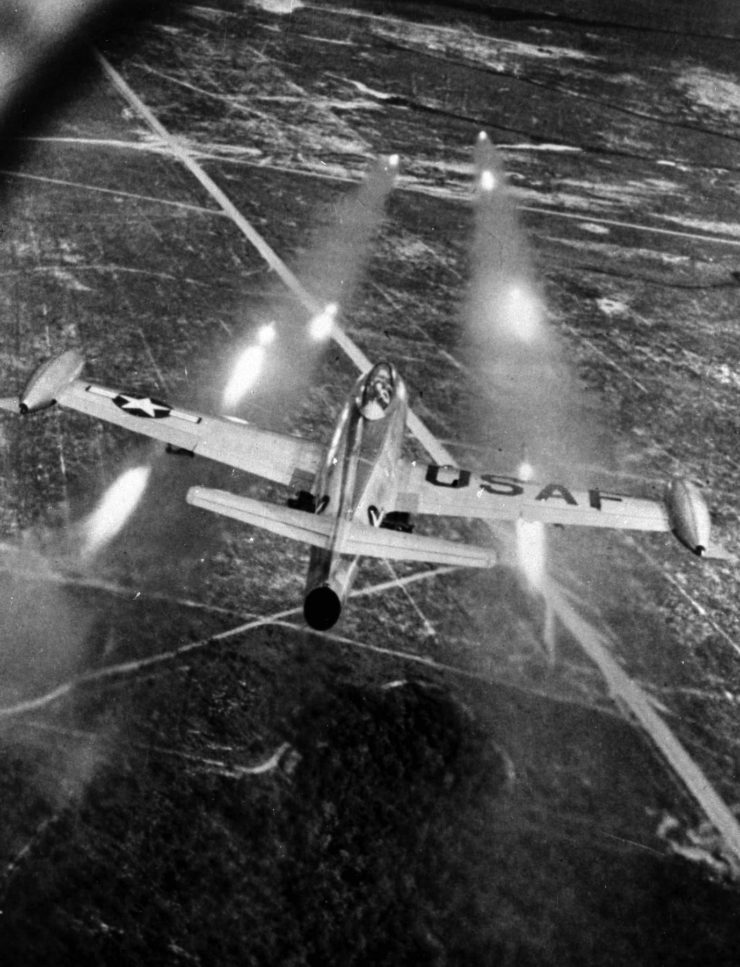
(357, 484)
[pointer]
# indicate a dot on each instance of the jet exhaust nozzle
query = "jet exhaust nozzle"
(322, 607)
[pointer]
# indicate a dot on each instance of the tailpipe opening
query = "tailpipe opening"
(321, 608)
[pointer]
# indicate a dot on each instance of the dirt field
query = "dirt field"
(188, 774)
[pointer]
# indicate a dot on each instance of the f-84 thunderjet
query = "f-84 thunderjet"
(355, 497)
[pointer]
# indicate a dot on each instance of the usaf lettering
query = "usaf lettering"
(508, 487)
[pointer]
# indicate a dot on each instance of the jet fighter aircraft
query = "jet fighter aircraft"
(355, 497)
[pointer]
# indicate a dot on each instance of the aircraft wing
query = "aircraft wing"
(274, 456)
(448, 491)
(356, 539)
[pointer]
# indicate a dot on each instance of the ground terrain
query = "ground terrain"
(188, 774)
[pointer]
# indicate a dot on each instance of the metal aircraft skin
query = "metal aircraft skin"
(355, 496)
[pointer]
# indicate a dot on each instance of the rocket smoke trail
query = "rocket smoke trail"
(529, 391)
(332, 271)
(335, 267)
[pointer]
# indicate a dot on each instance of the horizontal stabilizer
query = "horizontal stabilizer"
(10, 403)
(718, 553)
(352, 539)
(285, 521)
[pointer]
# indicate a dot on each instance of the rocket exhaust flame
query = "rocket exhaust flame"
(523, 313)
(266, 334)
(321, 326)
(531, 541)
(525, 470)
(249, 366)
(487, 181)
(114, 510)
(531, 552)
(246, 373)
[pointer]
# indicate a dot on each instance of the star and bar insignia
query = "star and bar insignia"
(142, 406)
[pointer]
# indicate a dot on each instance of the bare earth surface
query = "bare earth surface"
(187, 774)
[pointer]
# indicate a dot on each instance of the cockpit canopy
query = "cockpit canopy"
(376, 391)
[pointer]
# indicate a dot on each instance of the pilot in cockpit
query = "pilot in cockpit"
(378, 392)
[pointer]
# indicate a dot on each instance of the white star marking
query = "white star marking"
(145, 404)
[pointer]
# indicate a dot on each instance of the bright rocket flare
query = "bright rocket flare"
(523, 313)
(245, 374)
(531, 540)
(487, 180)
(531, 551)
(322, 324)
(525, 470)
(266, 334)
(116, 506)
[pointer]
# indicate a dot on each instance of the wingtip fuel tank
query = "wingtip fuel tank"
(48, 381)
(689, 514)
